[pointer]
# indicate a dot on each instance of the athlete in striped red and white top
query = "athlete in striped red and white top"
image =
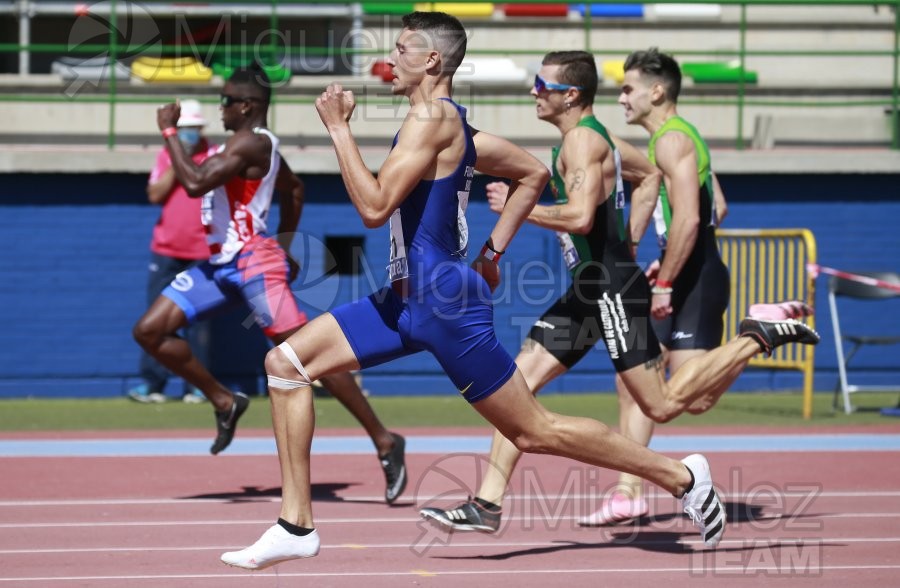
(235, 212)
(246, 265)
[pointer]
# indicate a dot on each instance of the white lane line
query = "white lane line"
(767, 542)
(192, 502)
(404, 520)
(428, 573)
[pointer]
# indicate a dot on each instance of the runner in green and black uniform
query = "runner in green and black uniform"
(608, 298)
(691, 294)
(690, 285)
(700, 289)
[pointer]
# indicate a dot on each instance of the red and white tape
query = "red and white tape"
(814, 269)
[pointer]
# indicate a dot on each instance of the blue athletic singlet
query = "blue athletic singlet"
(446, 307)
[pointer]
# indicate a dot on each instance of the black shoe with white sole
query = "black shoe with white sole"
(770, 334)
(468, 516)
(226, 422)
(394, 465)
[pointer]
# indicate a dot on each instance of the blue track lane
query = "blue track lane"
(434, 445)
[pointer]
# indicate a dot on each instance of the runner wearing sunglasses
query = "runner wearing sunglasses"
(609, 298)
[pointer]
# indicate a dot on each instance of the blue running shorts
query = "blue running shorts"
(257, 276)
(453, 319)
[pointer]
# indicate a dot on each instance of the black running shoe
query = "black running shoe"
(771, 334)
(226, 422)
(468, 516)
(394, 466)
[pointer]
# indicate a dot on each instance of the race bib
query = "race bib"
(620, 185)
(659, 221)
(462, 199)
(397, 268)
(206, 209)
(569, 252)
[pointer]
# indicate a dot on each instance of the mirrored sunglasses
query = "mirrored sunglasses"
(540, 84)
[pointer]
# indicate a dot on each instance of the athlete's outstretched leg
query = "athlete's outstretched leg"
(319, 349)
(662, 401)
(483, 511)
(626, 501)
(534, 429)
(518, 415)
(538, 367)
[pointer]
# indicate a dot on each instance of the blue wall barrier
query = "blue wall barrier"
(77, 250)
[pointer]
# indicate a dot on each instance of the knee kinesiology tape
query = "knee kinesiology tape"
(283, 383)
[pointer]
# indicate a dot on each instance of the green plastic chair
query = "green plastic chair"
(394, 8)
(224, 65)
(713, 72)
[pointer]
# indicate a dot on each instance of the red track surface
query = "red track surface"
(819, 519)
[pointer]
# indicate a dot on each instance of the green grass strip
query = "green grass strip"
(760, 409)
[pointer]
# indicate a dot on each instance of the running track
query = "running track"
(154, 510)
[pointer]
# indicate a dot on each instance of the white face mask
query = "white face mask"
(189, 137)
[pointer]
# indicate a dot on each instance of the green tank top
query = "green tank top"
(583, 251)
(663, 213)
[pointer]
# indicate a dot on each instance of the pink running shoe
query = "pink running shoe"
(616, 510)
(791, 309)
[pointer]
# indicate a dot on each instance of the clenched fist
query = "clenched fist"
(497, 193)
(335, 106)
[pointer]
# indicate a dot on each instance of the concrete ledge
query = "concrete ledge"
(321, 160)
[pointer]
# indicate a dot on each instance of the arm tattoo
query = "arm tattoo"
(576, 180)
(554, 212)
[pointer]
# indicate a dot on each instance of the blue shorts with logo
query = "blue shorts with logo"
(257, 276)
(452, 318)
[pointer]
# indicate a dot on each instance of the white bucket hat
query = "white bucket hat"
(191, 114)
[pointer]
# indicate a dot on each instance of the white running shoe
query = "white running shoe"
(702, 503)
(275, 546)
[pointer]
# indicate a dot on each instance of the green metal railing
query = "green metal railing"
(274, 10)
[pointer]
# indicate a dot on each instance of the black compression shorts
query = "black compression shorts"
(617, 312)
(699, 300)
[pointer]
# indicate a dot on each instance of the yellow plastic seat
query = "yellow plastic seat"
(170, 70)
(459, 9)
(614, 70)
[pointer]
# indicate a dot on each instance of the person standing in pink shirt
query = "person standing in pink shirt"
(178, 242)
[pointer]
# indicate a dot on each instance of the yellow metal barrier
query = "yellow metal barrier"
(769, 265)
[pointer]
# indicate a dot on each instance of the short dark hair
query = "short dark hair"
(253, 76)
(578, 69)
(660, 66)
(445, 31)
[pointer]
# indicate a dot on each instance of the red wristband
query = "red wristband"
(169, 132)
(663, 284)
(490, 254)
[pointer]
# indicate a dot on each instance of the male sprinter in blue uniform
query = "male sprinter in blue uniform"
(436, 302)
(609, 298)
(246, 265)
